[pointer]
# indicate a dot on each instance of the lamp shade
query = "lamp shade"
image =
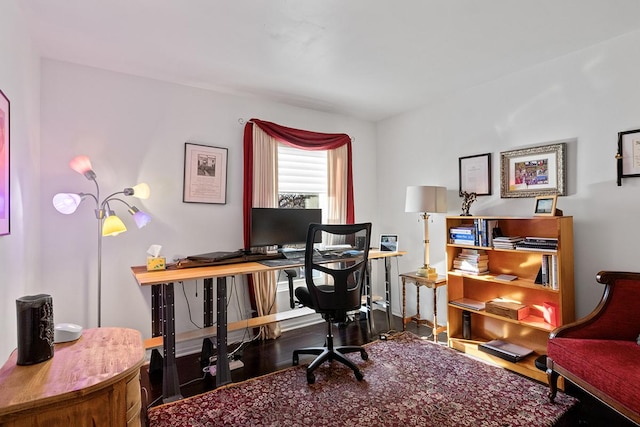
(424, 198)
(141, 218)
(66, 203)
(113, 225)
(142, 191)
(82, 165)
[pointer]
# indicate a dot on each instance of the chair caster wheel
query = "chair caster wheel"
(364, 355)
(359, 376)
(311, 378)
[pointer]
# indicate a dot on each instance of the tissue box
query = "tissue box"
(156, 263)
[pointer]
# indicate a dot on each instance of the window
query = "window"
(302, 179)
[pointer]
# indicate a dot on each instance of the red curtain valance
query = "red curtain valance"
(302, 139)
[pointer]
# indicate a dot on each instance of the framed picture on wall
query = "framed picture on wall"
(532, 172)
(205, 174)
(474, 173)
(628, 157)
(5, 198)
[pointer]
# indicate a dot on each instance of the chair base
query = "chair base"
(329, 353)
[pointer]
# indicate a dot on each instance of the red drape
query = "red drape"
(305, 140)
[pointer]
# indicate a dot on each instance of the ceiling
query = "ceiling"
(371, 59)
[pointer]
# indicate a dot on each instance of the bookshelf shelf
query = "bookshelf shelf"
(532, 331)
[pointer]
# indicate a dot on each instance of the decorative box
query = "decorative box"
(510, 309)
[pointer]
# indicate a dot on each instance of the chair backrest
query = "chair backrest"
(334, 272)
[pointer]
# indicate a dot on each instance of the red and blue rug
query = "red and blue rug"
(408, 381)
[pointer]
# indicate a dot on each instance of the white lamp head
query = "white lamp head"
(141, 191)
(67, 203)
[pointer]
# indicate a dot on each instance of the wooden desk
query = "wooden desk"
(420, 281)
(93, 381)
(163, 313)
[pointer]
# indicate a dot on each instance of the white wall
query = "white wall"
(586, 98)
(134, 129)
(19, 255)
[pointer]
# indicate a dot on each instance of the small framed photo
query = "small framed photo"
(535, 171)
(628, 156)
(389, 242)
(546, 205)
(474, 173)
(205, 174)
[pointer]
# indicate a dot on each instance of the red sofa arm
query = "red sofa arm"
(617, 316)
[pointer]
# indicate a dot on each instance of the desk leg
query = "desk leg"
(387, 290)
(155, 364)
(170, 382)
(208, 319)
(223, 373)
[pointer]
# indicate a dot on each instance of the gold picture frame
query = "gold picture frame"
(532, 172)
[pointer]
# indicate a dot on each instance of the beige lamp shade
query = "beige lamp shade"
(426, 198)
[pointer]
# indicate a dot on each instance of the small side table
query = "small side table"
(420, 281)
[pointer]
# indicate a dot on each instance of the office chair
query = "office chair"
(333, 288)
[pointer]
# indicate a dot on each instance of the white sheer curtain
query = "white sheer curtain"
(265, 195)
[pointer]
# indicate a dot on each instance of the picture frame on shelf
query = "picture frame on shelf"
(205, 174)
(474, 174)
(628, 156)
(389, 242)
(535, 171)
(545, 205)
(5, 139)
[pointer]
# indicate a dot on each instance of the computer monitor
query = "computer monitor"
(282, 226)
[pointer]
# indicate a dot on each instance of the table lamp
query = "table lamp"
(426, 199)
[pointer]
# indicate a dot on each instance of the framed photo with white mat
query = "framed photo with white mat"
(389, 242)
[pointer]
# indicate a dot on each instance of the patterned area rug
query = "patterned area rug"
(408, 381)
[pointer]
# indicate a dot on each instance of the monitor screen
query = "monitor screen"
(282, 226)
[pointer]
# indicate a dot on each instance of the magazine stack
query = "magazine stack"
(506, 242)
(544, 244)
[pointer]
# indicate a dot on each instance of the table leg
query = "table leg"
(418, 318)
(435, 314)
(223, 373)
(170, 381)
(404, 304)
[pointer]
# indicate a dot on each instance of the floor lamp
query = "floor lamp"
(108, 222)
(424, 200)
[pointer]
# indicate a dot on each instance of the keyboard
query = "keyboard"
(294, 254)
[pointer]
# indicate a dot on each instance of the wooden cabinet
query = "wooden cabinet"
(93, 381)
(531, 331)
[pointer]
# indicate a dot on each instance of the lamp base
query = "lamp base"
(428, 272)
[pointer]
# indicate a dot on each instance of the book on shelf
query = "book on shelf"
(506, 277)
(505, 350)
(548, 273)
(469, 303)
(473, 273)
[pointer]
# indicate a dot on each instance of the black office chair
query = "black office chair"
(334, 280)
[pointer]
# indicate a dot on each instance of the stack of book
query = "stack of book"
(463, 235)
(471, 261)
(506, 242)
(545, 244)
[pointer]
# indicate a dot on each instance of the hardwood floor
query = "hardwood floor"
(263, 357)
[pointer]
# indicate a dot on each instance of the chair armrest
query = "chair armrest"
(617, 315)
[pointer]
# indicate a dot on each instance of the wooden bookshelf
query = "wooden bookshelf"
(532, 331)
